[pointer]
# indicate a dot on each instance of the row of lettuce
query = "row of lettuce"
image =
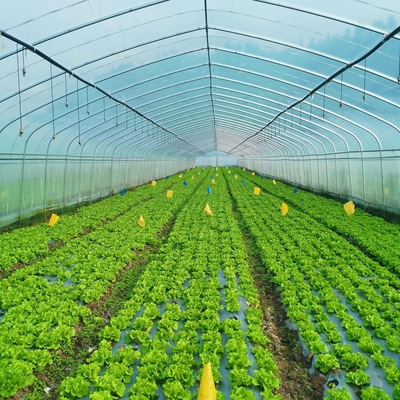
(373, 234)
(43, 301)
(25, 245)
(183, 314)
(327, 284)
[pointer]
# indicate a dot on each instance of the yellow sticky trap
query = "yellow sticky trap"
(141, 221)
(192, 177)
(53, 219)
(180, 175)
(256, 191)
(207, 389)
(153, 183)
(274, 181)
(284, 209)
(235, 176)
(229, 171)
(212, 181)
(207, 209)
(253, 173)
(169, 193)
(349, 207)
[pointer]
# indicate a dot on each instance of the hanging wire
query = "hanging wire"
(284, 128)
(398, 77)
(52, 100)
(126, 117)
(87, 100)
(300, 113)
(79, 119)
(66, 90)
(365, 77)
(21, 131)
(23, 62)
(341, 90)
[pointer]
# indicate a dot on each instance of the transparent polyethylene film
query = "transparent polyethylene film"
(73, 183)
(309, 89)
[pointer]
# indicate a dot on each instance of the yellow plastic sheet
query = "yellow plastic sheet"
(256, 191)
(207, 387)
(141, 221)
(153, 183)
(169, 193)
(349, 207)
(284, 209)
(207, 209)
(53, 219)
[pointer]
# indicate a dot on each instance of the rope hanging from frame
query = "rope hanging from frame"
(79, 119)
(21, 130)
(52, 101)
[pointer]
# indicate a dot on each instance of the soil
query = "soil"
(296, 382)
(55, 245)
(293, 368)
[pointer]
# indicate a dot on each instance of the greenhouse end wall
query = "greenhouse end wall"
(372, 179)
(40, 185)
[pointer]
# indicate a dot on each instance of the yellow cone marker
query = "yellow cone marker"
(244, 169)
(253, 173)
(207, 209)
(216, 168)
(169, 193)
(216, 175)
(53, 219)
(192, 177)
(256, 191)
(153, 183)
(207, 387)
(349, 207)
(180, 175)
(284, 209)
(212, 181)
(274, 181)
(229, 171)
(235, 176)
(141, 221)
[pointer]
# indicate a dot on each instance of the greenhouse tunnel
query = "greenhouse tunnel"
(100, 96)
